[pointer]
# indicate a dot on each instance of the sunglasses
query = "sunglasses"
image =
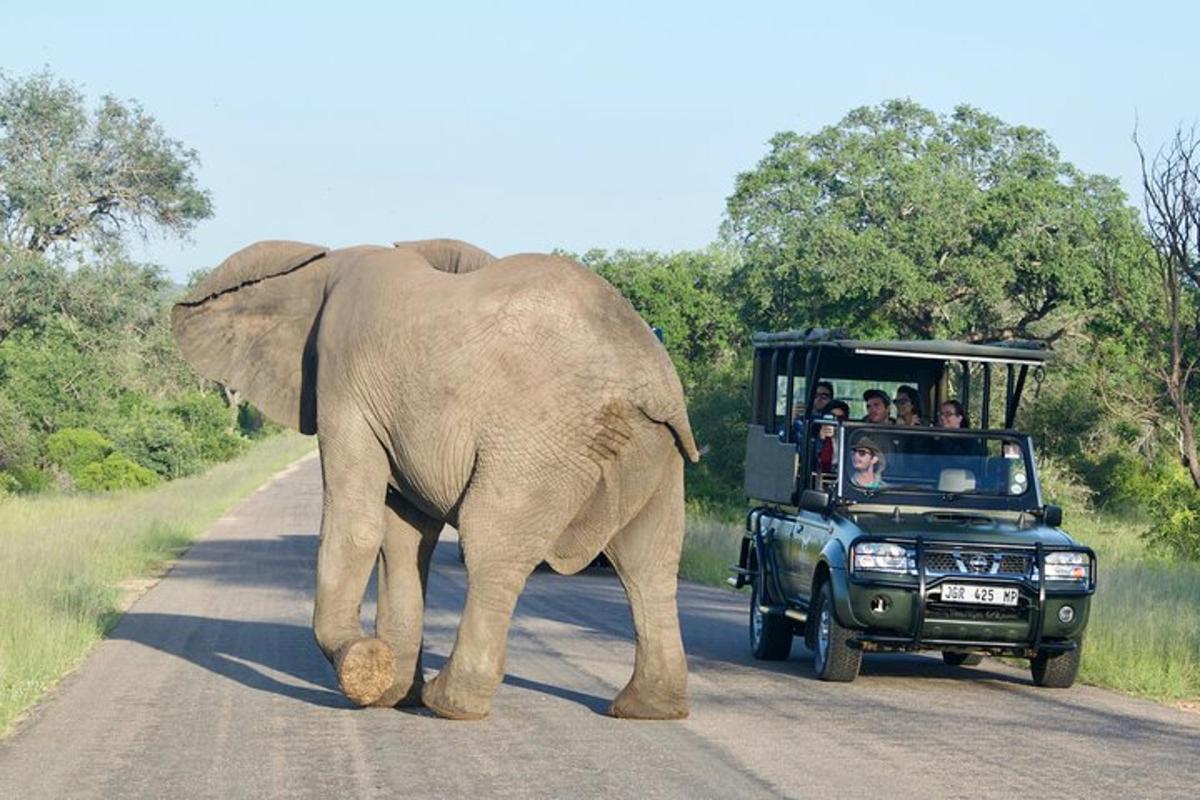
(948, 414)
(863, 451)
(900, 400)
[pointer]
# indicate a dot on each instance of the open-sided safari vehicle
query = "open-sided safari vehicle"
(881, 537)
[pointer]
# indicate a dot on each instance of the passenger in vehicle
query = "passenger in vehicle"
(827, 452)
(869, 463)
(877, 402)
(908, 406)
(822, 397)
(951, 414)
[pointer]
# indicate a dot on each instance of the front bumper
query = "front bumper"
(905, 612)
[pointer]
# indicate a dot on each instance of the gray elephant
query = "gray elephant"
(521, 399)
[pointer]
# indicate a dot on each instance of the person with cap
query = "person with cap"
(877, 402)
(869, 463)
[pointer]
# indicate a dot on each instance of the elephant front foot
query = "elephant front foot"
(366, 670)
(450, 704)
(654, 703)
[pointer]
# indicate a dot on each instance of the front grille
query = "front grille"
(976, 561)
(940, 563)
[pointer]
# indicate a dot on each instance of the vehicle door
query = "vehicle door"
(788, 554)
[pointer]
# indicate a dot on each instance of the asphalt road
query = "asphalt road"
(212, 686)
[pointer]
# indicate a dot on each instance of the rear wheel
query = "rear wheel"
(770, 635)
(1056, 670)
(833, 659)
(962, 659)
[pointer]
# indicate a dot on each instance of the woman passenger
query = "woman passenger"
(908, 406)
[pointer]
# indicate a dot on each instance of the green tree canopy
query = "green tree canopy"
(900, 222)
(72, 179)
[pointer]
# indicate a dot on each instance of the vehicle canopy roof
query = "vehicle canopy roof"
(821, 353)
(1018, 351)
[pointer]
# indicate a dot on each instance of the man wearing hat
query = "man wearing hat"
(868, 462)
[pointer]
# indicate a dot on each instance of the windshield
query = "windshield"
(935, 461)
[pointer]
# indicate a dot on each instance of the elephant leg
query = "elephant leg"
(645, 555)
(355, 472)
(503, 541)
(409, 537)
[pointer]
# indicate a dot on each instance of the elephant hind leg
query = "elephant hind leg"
(409, 537)
(645, 555)
(506, 532)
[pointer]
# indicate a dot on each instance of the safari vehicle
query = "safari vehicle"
(946, 544)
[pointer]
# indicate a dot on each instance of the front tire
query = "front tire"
(770, 635)
(1056, 670)
(833, 657)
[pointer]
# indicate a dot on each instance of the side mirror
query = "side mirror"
(1052, 515)
(815, 501)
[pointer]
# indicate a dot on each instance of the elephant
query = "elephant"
(521, 399)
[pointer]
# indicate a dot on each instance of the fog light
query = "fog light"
(1066, 614)
(880, 604)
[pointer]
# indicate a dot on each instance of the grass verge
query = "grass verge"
(63, 560)
(1143, 637)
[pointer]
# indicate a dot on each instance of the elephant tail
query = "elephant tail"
(662, 401)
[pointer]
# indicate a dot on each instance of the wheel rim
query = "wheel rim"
(823, 636)
(756, 619)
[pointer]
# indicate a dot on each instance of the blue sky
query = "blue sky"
(530, 126)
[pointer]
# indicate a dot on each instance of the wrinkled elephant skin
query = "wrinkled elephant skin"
(521, 399)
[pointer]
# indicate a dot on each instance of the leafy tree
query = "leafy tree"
(31, 290)
(73, 180)
(898, 221)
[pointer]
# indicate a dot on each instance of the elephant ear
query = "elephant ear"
(450, 255)
(250, 325)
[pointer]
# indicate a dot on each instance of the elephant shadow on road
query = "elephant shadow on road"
(267, 656)
(278, 658)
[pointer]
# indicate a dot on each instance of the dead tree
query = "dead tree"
(1171, 201)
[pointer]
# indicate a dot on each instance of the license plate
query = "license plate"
(983, 595)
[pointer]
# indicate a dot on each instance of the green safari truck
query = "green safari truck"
(865, 535)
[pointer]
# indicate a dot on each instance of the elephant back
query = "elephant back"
(449, 255)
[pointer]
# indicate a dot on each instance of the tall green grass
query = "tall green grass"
(63, 559)
(1143, 636)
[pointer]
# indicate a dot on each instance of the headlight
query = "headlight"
(883, 557)
(1068, 566)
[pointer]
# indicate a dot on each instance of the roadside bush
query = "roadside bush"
(8, 485)
(115, 472)
(52, 377)
(75, 448)
(210, 423)
(159, 441)
(252, 423)
(17, 441)
(1175, 519)
(1062, 486)
(30, 480)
